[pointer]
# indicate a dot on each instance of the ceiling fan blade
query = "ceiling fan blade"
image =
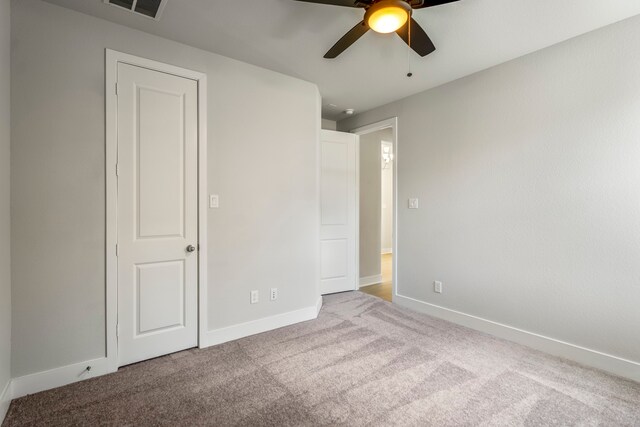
(345, 3)
(347, 40)
(420, 4)
(416, 38)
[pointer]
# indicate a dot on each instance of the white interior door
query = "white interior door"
(338, 218)
(157, 213)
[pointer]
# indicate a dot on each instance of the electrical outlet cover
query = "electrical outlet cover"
(437, 287)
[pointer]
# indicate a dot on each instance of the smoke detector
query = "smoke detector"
(147, 8)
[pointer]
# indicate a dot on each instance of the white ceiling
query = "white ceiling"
(291, 37)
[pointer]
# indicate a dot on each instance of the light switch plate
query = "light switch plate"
(214, 201)
(414, 203)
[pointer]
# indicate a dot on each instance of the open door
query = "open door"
(338, 218)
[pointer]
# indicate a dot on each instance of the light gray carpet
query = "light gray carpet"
(362, 362)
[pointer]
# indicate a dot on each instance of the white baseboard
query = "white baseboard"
(596, 359)
(5, 400)
(232, 333)
(57, 377)
(370, 280)
(386, 251)
(318, 305)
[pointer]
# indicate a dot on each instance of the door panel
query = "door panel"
(160, 296)
(157, 213)
(335, 183)
(338, 220)
(160, 156)
(335, 254)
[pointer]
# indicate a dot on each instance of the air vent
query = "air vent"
(147, 8)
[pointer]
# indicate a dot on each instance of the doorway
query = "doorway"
(156, 185)
(377, 173)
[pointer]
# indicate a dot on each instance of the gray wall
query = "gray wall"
(264, 235)
(370, 202)
(5, 274)
(529, 183)
(329, 124)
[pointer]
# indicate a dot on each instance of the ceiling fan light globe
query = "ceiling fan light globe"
(388, 16)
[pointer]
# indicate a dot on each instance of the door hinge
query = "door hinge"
(117, 169)
(117, 87)
(116, 249)
(117, 330)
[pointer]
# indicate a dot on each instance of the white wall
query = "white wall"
(386, 237)
(528, 176)
(5, 134)
(264, 235)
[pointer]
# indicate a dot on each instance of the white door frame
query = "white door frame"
(363, 130)
(113, 58)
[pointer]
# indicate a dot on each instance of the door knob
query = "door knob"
(191, 248)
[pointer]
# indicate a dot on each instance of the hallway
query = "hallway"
(383, 290)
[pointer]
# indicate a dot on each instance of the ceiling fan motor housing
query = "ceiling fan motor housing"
(382, 4)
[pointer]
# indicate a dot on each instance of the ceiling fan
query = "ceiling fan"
(385, 16)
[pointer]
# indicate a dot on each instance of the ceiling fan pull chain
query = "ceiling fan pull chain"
(409, 73)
